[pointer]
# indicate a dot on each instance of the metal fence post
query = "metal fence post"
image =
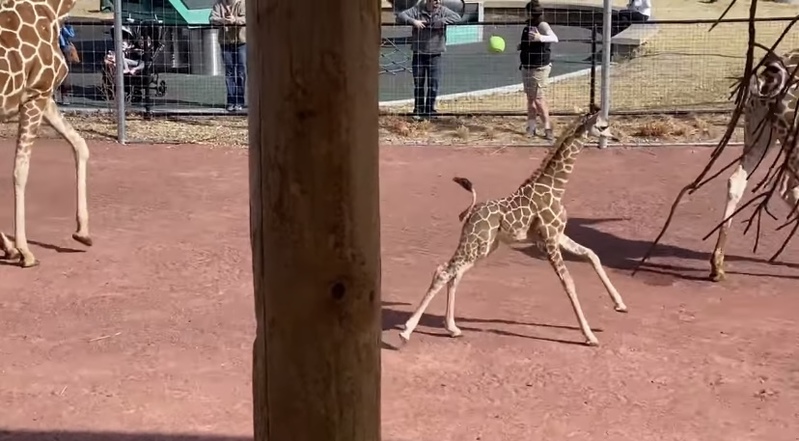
(592, 92)
(119, 92)
(604, 94)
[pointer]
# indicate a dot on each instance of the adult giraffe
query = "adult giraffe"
(31, 68)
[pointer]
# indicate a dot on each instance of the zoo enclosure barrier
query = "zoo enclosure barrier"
(680, 68)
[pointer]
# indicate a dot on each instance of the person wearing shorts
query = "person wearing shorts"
(535, 57)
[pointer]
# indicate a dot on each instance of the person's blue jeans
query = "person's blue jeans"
(425, 68)
(235, 58)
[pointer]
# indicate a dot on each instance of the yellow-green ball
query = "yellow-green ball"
(496, 44)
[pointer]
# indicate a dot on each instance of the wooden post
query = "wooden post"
(314, 218)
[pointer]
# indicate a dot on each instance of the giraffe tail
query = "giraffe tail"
(467, 185)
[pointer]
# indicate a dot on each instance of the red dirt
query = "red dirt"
(150, 330)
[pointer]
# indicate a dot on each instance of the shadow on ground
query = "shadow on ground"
(624, 254)
(393, 319)
(24, 435)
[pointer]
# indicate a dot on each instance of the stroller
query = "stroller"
(141, 44)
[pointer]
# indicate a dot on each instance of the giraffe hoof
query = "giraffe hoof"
(621, 308)
(85, 240)
(717, 276)
(405, 336)
(593, 342)
(455, 333)
(28, 263)
(12, 255)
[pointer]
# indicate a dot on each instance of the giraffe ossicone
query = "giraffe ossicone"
(533, 212)
(769, 117)
(32, 67)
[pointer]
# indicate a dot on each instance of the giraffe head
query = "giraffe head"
(592, 124)
(771, 81)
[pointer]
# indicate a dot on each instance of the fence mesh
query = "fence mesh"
(680, 67)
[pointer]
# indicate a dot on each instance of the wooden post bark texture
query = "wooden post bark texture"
(314, 214)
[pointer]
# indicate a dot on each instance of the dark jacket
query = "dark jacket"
(433, 38)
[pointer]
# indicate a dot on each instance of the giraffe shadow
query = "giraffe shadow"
(47, 246)
(624, 254)
(393, 319)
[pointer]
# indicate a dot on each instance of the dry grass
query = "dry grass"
(394, 130)
(89, 9)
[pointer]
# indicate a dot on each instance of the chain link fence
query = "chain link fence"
(179, 92)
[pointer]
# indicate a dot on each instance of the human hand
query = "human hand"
(418, 24)
(229, 19)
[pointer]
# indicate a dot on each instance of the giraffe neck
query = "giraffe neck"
(61, 8)
(556, 168)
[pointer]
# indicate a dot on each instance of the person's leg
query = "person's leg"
(434, 75)
(418, 70)
(530, 91)
(542, 80)
(637, 17)
(622, 21)
(65, 90)
(228, 57)
(241, 75)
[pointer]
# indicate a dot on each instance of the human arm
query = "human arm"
(68, 31)
(410, 16)
(448, 16)
(218, 15)
(543, 33)
(240, 18)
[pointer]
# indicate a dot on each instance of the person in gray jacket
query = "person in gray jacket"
(429, 19)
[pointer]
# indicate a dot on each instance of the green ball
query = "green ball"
(496, 44)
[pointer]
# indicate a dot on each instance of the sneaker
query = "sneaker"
(238, 108)
(531, 131)
(548, 135)
(230, 108)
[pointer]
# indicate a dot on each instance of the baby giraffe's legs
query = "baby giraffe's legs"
(452, 285)
(575, 248)
(441, 277)
(552, 245)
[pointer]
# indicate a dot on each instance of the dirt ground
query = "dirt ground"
(150, 331)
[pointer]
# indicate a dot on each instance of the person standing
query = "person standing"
(535, 57)
(71, 56)
(429, 19)
(637, 11)
(232, 38)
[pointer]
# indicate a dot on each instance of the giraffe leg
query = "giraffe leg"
(441, 277)
(30, 118)
(452, 286)
(758, 140)
(556, 260)
(7, 247)
(81, 153)
(573, 247)
(735, 190)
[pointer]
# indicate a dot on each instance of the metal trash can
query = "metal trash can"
(205, 55)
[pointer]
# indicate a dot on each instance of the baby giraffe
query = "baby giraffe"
(534, 212)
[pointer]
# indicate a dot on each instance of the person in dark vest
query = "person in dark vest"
(429, 19)
(535, 57)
